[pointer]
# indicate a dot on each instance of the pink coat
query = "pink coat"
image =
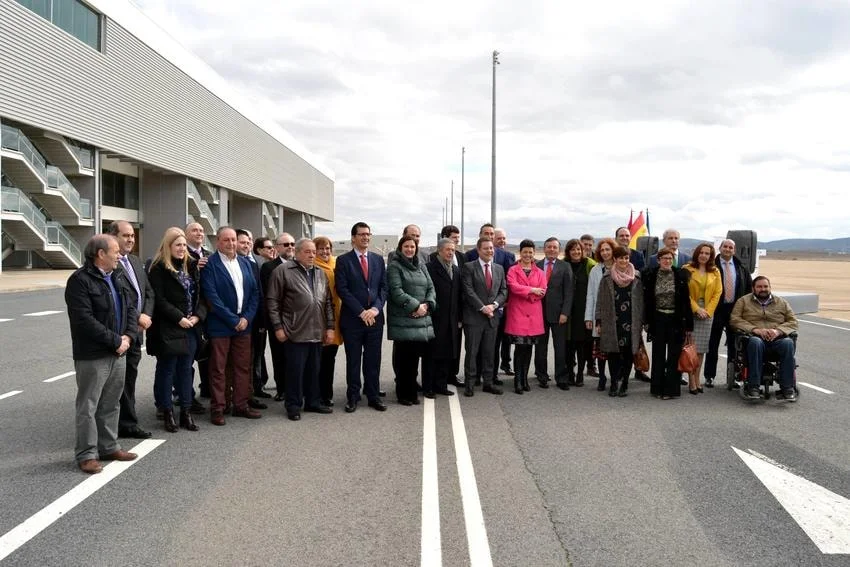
(524, 311)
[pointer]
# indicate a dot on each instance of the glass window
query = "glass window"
(119, 190)
(40, 7)
(72, 16)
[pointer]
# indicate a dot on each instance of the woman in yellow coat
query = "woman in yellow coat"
(705, 288)
(327, 262)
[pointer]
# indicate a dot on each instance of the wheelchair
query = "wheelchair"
(737, 369)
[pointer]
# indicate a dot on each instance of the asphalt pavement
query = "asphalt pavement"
(562, 478)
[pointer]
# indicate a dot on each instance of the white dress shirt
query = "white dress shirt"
(235, 271)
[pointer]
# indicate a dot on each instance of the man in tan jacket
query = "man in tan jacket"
(770, 321)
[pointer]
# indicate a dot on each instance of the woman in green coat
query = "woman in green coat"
(411, 301)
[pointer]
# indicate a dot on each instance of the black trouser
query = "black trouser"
(619, 366)
(326, 372)
(541, 353)
(667, 342)
(577, 352)
(503, 347)
(127, 417)
(278, 363)
(719, 324)
(259, 372)
(409, 353)
(522, 363)
(302, 373)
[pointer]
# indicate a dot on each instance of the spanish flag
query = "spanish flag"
(638, 228)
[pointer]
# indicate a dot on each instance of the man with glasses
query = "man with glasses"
(361, 284)
(284, 246)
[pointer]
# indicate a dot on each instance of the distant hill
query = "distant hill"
(834, 246)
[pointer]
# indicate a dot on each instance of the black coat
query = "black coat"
(447, 315)
(91, 312)
(683, 316)
(165, 336)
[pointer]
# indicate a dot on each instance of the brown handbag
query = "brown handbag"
(689, 359)
(641, 359)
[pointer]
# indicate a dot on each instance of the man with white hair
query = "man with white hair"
(671, 240)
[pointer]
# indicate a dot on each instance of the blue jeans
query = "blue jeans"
(756, 349)
(175, 372)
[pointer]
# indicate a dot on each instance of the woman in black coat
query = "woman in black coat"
(173, 336)
(579, 334)
(667, 308)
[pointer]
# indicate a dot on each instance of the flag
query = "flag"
(638, 228)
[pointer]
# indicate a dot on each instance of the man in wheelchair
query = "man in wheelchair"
(770, 325)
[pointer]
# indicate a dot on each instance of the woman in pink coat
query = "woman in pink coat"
(524, 311)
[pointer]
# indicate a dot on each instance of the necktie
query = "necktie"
(364, 267)
(488, 277)
(449, 270)
(728, 284)
(548, 270)
(131, 275)
(675, 259)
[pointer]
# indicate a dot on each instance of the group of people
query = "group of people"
(221, 309)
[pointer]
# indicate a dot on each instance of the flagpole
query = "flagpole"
(648, 233)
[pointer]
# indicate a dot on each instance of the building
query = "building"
(105, 117)
(381, 244)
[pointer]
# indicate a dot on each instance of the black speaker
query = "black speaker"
(746, 247)
(648, 246)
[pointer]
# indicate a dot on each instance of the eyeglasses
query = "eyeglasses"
(269, 247)
(670, 258)
(286, 244)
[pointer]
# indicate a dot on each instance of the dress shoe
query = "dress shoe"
(247, 413)
(318, 409)
(262, 394)
(90, 466)
(506, 369)
(498, 381)
(279, 397)
(579, 382)
(430, 395)
(378, 405)
(197, 408)
(119, 455)
(642, 376)
(404, 402)
(294, 415)
(168, 419)
(187, 421)
(468, 392)
(492, 389)
(415, 401)
(328, 402)
(592, 372)
(700, 390)
(134, 432)
(158, 416)
(694, 392)
(709, 382)
(543, 383)
(445, 392)
(683, 382)
(217, 418)
(350, 406)
(564, 386)
(254, 404)
(382, 393)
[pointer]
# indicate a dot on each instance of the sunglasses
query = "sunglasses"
(286, 244)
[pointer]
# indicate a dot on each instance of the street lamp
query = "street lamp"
(493, 162)
(462, 157)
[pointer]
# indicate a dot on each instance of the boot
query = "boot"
(612, 391)
(624, 386)
(579, 380)
(168, 419)
(186, 420)
(602, 382)
(518, 385)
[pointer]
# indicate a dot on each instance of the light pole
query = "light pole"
(493, 162)
(462, 157)
(452, 208)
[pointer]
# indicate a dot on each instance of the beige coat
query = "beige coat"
(748, 314)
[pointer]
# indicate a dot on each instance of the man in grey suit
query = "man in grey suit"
(484, 291)
(557, 304)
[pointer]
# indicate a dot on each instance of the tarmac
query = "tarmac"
(32, 280)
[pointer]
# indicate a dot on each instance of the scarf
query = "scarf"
(622, 278)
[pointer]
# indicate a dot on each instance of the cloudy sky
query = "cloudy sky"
(714, 115)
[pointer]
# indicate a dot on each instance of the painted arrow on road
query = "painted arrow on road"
(823, 515)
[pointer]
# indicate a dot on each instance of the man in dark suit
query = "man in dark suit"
(361, 285)
(671, 241)
(557, 304)
(445, 346)
(623, 236)
(233, 295)
(285, 248)
(737, 282)
(452, 232)
(134, 272)
(484, 292)
(195, 237)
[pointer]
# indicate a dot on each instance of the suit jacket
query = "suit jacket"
(220, 295)
(446, 316)
(683, 259)
(144, 287)
(559, 291)
(743, 279)
(261, 319)
(476, 295)
(266, 272)
(501, 256)
(196, 256)
(637, 259)
(356, 293)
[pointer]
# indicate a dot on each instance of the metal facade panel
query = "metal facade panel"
(131, 101)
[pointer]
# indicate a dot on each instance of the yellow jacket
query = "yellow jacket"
(713, 289)
(328, 269)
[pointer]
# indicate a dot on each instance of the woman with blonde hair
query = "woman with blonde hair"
(704, 288)
(174, 334)
(326, 261)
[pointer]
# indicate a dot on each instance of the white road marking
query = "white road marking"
(823, 325)
(823, 515)
(39, 521)
(41, 313)
(431, 546)
(476, 532)
(4, 320)
(813, 387)
(10, 394)
(55, 378)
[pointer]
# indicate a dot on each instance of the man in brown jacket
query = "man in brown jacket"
(301, 313)
(770, 321)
